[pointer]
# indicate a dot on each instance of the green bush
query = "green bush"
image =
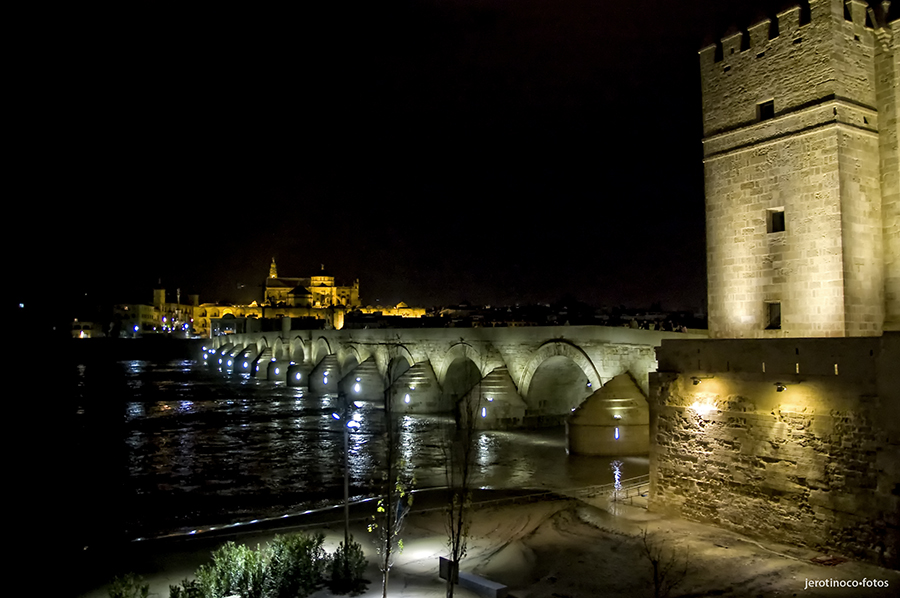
(296, 565)
(129, 586)
(348, 565)
(187, 589)
(235, 569)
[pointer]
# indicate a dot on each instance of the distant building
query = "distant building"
(84, 329)
(160, 317)
(316, 291)
(303, 303)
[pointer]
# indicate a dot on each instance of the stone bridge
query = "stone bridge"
(509, 376)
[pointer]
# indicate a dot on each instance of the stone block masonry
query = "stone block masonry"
(816, 463)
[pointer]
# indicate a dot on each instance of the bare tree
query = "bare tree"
(668, 568)
(459, 465)
(396, 497)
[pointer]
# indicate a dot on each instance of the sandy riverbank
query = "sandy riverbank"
(561, 548)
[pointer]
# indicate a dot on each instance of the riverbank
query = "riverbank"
(561, 547)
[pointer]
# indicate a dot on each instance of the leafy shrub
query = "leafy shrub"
(348, 565)
(129, 586)
(235, 569)
(296, 565)
(187, 589)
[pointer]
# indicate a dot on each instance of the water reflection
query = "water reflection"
(201, 450)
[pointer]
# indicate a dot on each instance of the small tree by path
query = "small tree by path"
(459, 465)
(395, 501)
(668, 568)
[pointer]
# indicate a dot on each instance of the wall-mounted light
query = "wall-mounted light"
(702, 408)
(780, 386)
(696, 380)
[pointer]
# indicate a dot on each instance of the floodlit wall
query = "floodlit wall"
(816, 463)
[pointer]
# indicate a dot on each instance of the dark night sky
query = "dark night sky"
(494, 151)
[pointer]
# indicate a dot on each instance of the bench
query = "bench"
(482, 586)
(470, 581)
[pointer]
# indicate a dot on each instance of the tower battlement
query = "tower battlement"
(802, 171)
(785, 56)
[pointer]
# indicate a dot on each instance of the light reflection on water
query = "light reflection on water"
(204, 450)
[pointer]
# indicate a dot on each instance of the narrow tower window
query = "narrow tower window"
(773, 315)
(765, 110)
(775, 220)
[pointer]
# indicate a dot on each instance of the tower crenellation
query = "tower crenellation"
(800, 155)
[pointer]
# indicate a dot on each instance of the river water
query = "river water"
(167, 446)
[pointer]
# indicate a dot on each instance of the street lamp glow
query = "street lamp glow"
(406, 398)
(356, 387)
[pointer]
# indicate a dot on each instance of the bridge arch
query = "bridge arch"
(558, 377)
(461, 369)
(398, 360)
(299, 350)
(460, 350)
(349, 357)
(278, 351)
(321, 348)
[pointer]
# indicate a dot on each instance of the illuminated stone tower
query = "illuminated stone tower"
(802, 173)
(273, 270)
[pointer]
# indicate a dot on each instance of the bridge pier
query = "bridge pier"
(298, 374)
(277, 370)
(244, 360)
(260, 368)
(417, 391)
(325, 377)
(614, 421)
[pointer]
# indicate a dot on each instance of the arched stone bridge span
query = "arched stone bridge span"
(509, 376)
